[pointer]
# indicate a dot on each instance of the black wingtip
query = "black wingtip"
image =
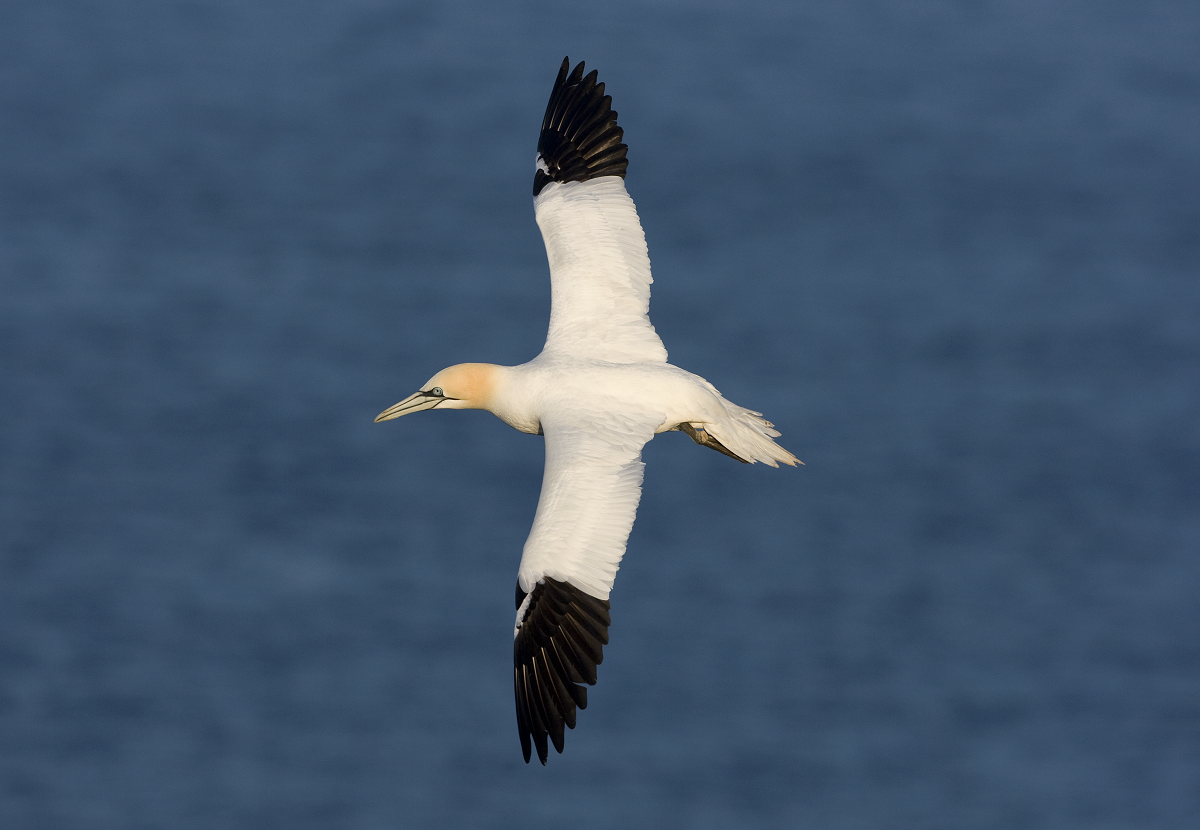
(580, 139)
(559, 643)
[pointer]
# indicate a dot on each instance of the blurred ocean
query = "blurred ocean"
(952, 249)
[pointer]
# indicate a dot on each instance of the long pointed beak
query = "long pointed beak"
(413, 403)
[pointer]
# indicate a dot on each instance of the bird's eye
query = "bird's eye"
(437, 392)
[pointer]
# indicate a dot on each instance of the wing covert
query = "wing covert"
(590, 491)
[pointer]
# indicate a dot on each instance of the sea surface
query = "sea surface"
(951, 249)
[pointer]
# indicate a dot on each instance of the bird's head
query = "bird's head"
(465, 386)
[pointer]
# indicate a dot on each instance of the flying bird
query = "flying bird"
(600, 389)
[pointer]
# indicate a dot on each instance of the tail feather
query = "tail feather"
(749, 436)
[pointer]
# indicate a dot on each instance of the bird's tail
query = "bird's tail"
(750, 437)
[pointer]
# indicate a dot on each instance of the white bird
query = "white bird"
(600, 389)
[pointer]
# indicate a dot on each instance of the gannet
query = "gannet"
(600, 389)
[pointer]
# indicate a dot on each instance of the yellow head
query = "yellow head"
(465, 386)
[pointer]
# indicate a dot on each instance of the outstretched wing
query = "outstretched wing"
(599, 269)
(590, 493)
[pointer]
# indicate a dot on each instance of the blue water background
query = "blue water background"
(952, 249)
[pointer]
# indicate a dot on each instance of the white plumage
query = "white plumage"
(599, 273)
(600, 389)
